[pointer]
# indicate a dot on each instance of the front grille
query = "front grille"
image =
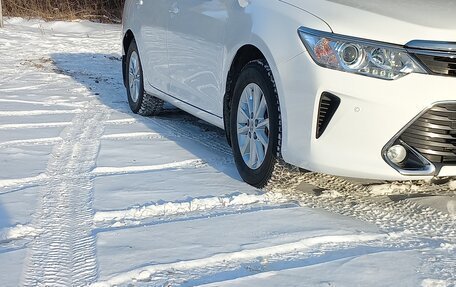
(434, 134)
(441, 63)
(438, 57)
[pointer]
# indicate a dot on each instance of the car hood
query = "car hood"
(387, 20)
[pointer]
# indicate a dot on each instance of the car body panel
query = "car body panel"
(150, 35)
(372, 111)
(389, 21)
(195, 49)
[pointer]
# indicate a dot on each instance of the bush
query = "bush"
(99, 10)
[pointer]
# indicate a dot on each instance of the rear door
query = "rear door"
(196, 50)
(154, 18)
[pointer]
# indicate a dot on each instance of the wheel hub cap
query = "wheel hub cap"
(134, 77)
(253, 126)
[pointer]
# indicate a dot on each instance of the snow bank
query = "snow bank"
(198, 204)
(4, 183)
(17, 232)
(104, 171)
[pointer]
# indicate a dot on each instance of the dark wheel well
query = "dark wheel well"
(128, 38)
(245, 55)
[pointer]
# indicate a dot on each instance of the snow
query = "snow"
(197, 204)
(17, 232)
(93, 195)
(244, 241)
(103, 171)
(370, 269)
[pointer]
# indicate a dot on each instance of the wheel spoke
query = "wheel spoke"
(250, 102)
(253, 154)
(260, 112)
(135, 90)
(257, 97)
(263, 139)
(260, 150)
(244, 101)
(132, 67)
(243, 113)
(137, 68)
(132, 82)
(245, 146)
(263, 124)
(243, 130)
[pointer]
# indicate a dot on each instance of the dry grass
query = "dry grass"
(98, 10)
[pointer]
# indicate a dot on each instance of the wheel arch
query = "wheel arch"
(243, 55)
(126, 42)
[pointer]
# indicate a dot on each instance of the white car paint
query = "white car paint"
(202, 37)
(387, 20)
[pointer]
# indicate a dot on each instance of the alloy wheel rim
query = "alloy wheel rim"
(253, 126)
(134, 77)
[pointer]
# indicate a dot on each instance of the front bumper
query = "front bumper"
(371, 113)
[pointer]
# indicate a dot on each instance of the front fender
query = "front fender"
(272, 27)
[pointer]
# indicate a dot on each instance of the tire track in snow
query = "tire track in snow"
(411, 221)
(344, 197)
(64, 253)
(390, 216)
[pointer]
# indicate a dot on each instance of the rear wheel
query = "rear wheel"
(255, 124)
(140, 102)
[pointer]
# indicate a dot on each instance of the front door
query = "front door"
(154, 15)
(196, 51)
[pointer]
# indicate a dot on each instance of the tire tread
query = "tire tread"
(151, 106)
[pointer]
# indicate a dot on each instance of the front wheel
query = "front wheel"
(255, 124)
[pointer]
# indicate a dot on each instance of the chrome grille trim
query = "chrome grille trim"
(433, 134)
(439, 58)
(432, 45)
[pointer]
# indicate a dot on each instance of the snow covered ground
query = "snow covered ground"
(91, 194)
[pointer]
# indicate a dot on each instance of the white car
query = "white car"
(353, 88)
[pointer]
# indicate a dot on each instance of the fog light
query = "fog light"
(397, 154)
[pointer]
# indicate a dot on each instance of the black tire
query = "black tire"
(257, 72)
(145, 105)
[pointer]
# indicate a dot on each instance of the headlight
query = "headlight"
(359, 56)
